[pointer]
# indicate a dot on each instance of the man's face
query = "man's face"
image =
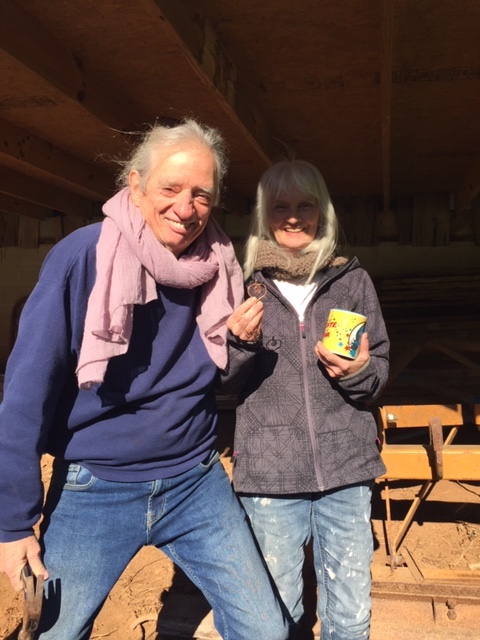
(178, 196)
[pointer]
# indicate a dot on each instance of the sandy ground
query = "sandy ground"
(445, 537)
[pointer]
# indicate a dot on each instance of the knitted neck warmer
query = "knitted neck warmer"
(282, 266)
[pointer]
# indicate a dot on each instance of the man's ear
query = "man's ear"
(135, 188)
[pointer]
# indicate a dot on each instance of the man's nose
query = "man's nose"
(184, 204)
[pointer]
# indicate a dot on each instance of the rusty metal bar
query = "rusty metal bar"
(463, 593)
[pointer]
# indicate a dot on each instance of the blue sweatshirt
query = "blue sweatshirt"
(153, 417)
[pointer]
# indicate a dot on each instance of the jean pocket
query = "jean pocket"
(78, 478)
(212, 459)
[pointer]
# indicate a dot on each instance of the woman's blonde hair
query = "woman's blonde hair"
(278, 179)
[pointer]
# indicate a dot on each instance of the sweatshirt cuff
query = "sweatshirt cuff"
(13, 536)
(252, 345)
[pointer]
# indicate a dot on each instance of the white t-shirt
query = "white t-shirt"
(298, 293)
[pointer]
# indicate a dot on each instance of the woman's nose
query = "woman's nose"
(293, 214)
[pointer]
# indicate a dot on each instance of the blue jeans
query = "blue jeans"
(92, 528)
(339, 522)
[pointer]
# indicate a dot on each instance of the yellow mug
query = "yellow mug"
(343, 332)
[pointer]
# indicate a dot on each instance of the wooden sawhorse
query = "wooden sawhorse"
(440, 459)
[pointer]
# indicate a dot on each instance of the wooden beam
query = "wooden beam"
(461, 221)
(23, 187)
(476, 414)
(9, 226)
(199, 44)
(27, 149)
(437, 387)
(476, 219)
(404, 218)
(455, 355)
(26, 40)
(406, 416)
(362, 226)
(415, 462)
(468, 189)
(51, 230)
(386, 115)
(28, 233)
(431, 219)
(400, 361)
(20, 207)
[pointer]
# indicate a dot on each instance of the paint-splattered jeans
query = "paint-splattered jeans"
(339, 523)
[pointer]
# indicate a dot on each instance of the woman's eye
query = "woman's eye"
(307, 208)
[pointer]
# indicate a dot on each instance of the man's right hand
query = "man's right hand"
(15, 555)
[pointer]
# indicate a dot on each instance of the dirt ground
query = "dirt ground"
(445, 536)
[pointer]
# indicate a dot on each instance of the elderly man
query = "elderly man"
(112, 373)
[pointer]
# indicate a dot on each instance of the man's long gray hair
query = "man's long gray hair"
(159, 138)
(279, 179)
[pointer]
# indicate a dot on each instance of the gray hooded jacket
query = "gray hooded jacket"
(297, 429)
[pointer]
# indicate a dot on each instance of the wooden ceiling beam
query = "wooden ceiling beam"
(386, 87)
(10, 204)
(27, 41)
(28, 189)
(199, 44)
(29, 150)
(468, 189)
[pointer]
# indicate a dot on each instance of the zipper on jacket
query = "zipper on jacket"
(308, 409)
(302, 329)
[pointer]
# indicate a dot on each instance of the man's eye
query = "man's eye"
(203, 198)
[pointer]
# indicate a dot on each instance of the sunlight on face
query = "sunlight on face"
(293, 219)
(178, 196)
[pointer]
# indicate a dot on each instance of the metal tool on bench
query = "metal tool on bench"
(32, 606)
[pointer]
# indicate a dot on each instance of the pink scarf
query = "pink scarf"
(130, 260)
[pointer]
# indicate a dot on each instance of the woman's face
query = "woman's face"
(293, 218)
